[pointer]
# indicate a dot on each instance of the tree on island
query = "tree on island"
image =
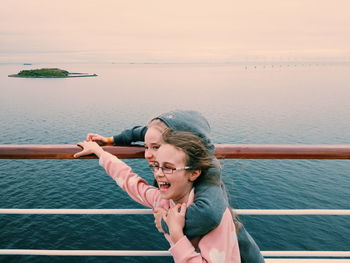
(49, 73)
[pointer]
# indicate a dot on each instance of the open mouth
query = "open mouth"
(163, 186)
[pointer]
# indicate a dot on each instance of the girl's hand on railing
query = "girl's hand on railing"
(158, 214)
(99, 139)
(89, 148)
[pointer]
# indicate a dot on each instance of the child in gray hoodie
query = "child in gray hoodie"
(202, 216)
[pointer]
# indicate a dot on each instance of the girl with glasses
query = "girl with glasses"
(182, 162)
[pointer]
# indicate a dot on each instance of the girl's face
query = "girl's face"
(153, 140)
(178, 184)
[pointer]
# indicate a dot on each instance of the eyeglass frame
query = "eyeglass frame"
(156, 168)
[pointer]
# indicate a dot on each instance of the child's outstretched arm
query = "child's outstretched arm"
(126, 137)
(136, 187)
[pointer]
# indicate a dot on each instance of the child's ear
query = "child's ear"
(194, 175)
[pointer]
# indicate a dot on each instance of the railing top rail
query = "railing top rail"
(149, 211)
(332, 254)
(222, 151)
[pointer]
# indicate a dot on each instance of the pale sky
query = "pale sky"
(173, 31)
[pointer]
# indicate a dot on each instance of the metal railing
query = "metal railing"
(223, 151)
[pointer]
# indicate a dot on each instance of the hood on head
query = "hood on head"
(188, 121)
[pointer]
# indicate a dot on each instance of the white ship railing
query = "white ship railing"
(222, 151)
(149, 211)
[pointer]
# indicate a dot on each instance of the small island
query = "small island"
(49, 73)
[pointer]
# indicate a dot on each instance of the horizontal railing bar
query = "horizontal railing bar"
(84, 252)
(63, 151)
(149, 211)
(306, 253)
(293, 211)
(222, 151)
(77, 211)
(306, 260)
(333, 254)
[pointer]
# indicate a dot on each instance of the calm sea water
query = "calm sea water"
(279, 104)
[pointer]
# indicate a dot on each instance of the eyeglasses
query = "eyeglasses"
(167, 170)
